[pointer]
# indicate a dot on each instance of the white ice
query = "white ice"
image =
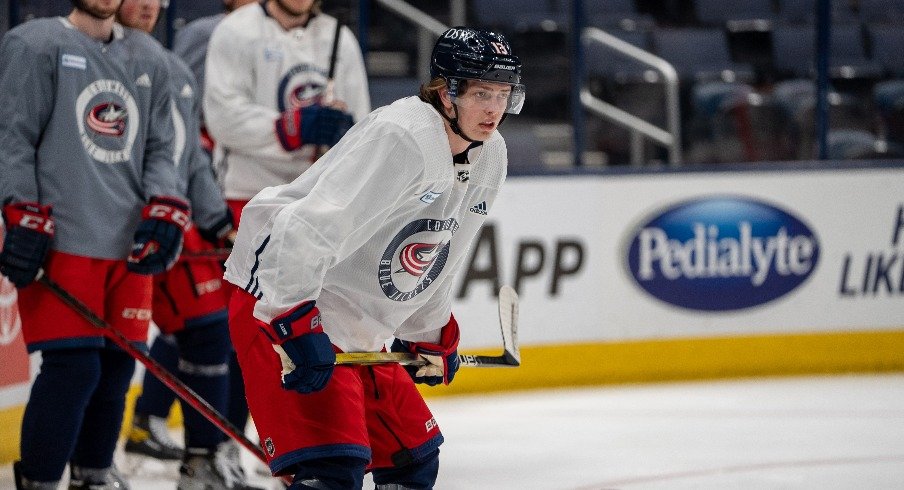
(826, 433)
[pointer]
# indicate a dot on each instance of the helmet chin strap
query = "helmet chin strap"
(453, 123)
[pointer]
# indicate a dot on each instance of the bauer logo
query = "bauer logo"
(722, 253)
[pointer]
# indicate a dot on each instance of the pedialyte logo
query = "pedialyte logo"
(415, 257)
(722, 253)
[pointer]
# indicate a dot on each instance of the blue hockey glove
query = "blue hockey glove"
(305, 351)
(158, 239)
(442, 358)
(312, 125)
(222, 233)
(29, 229)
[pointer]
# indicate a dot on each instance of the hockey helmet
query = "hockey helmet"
(464, 53)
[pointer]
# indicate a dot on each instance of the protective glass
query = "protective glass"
(509, 99)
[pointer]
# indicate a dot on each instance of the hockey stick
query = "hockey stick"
(327, 98)
(508, 324)
(212, 254)
(153, 367)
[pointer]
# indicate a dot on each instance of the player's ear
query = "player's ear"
(445, 98)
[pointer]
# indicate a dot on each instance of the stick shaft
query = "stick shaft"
(154, 367)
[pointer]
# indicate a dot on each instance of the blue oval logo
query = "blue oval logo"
(722, 253)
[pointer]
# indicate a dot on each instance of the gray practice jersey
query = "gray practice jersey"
(191, 42)
(376, 231)
(196, 182)
(86, 127)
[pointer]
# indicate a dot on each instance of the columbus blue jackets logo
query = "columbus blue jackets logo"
(415, 257)
(107, 118)
(301, 86)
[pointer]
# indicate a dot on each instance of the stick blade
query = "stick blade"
(508, 322)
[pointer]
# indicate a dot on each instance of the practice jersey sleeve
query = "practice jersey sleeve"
(351, 76)
(339, 213)
(26, 102)
(159, 176)
(232, 116)
(207, 202)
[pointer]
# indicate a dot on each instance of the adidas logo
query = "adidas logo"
(143, 81)
(187, 92)
(479, 208)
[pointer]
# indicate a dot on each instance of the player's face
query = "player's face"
(139, 14)
(296, 7)
(480, 108)
(99, 9)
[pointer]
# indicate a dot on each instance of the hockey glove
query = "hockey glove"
(221, 233)
(312, 125)
(29, 229)
(304, 350)
(158, 239)
(442, 358)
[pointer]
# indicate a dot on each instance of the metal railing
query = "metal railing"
(669, 137)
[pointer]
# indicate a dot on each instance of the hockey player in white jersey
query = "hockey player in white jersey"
(85, 132)
(363, 247)
(267, 99)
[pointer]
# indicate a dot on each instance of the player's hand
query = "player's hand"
(158, 239)
(222, 233)
(29, 229)
(305, 351)
(312, 125)
(442, 358)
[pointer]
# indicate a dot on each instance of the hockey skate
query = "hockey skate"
(96, 479)
(150, 437)
(206, 470)
(23, 483)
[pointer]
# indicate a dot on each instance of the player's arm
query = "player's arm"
(235, 120)
(342, 211)
(351, 77)
(26, 100)
(209, 211)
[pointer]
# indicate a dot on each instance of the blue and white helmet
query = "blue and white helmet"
(464, 53)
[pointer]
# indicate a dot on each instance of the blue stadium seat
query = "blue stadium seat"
(185, 11)
(386, 90)
(700, 54)
(804, 12)
(523, 145)
(887, 43)
(749, 15)
(794, 52)
(882, 11)
(889, 99)
(852, 144)
(610, 14)
(519, 15)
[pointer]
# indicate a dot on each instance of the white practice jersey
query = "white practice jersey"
(255, 70)
(375, 232)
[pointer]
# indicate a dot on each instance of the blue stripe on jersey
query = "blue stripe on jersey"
(257, 263)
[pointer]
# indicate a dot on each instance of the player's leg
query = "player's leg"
(127, 309)
(404, 435)
(91, 464)
(149, 435)
(70, 368)
(48, 433)
(321, 437)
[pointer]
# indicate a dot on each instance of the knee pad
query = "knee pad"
(418, 475)
(337, 473)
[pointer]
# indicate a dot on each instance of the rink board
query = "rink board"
(641, 277)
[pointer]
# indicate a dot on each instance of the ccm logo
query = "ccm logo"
(161, 211)
(143, 314)
(208, 286)
(36, 223)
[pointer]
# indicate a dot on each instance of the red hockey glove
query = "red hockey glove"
(29, 229)
(312, 125)
(442, 358)
(158, 239)
(305, 351)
